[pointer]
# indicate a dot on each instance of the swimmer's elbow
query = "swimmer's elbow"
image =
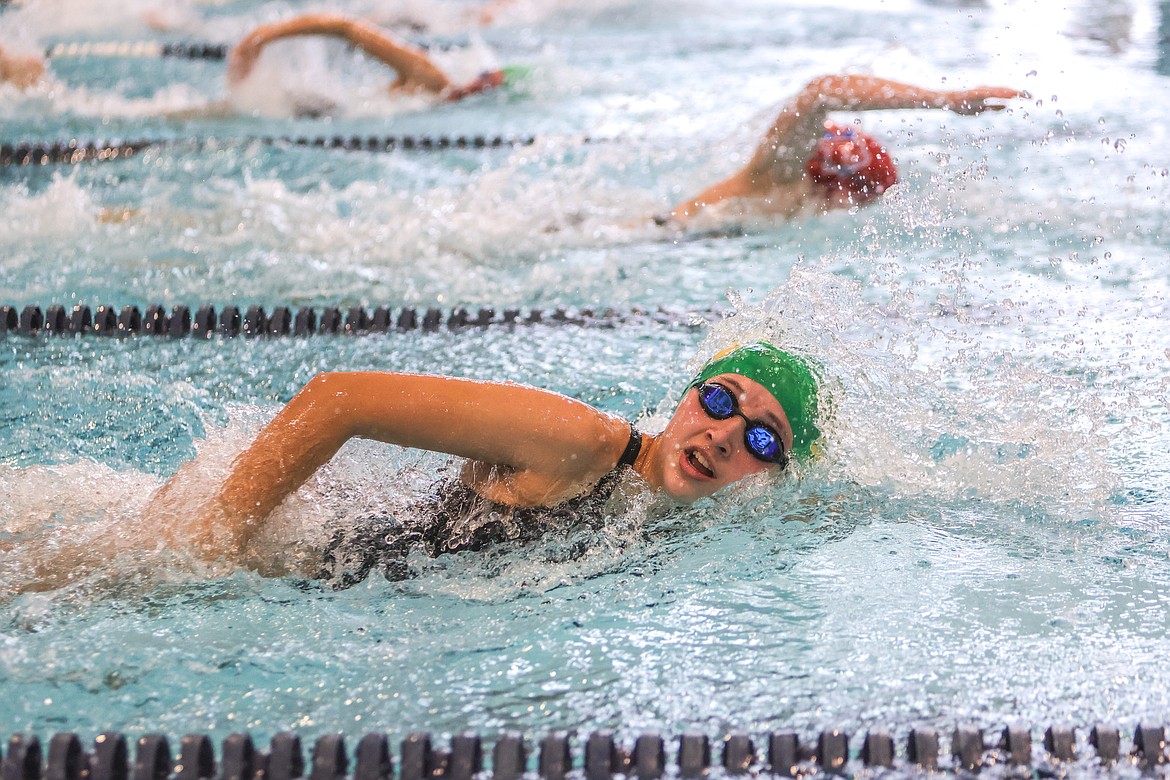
(821, 83)
(343, 390)
(329, 404)
(333, 379)
(823, 92)
(322, 380)
(323, 386)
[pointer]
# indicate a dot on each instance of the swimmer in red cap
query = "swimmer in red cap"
(806, 160)
(417, 73)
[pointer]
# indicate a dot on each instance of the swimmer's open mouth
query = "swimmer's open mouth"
(699, 463)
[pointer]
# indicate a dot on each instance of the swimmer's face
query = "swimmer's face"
(698, 454)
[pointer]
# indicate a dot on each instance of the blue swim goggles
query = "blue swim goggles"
(762, 442)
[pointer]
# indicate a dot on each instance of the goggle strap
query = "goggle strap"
(633, 447)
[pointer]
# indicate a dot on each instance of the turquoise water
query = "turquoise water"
(984, 540)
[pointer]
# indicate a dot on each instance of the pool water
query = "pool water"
(984, 540)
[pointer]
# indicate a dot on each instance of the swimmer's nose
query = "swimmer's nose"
(723, 435)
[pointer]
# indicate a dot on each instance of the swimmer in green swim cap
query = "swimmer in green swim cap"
(416, 72)
(750, 410)
(534, 458)
(787, 377)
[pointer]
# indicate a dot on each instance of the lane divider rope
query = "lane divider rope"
(74, 151)
(600, 756)
(186, 50)
(189, 51)
(254, 321)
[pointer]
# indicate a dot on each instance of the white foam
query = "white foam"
(63, 209)
(75, 17)
(943, 427)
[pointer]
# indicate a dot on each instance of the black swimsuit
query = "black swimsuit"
(456, 518)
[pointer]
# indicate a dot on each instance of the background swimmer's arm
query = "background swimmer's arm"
(415, 70)
(780, 158)
(861, 93)
(790, 141)
(739, 185)
(242, 58)
(535, 433)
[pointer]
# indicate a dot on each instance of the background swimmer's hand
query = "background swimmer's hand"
(976, 100)
(116, 215)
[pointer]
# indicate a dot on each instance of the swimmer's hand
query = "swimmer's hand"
(979, 99)
(116, 215)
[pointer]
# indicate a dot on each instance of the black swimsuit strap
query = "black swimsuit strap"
(632, 448)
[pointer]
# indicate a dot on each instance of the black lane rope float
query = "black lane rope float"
(231, 321)
(184, 50)
(74, 151)
(598, 757)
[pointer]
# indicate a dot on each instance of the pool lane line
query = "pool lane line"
(188, 51)
(599, 756)
(254, 321)
(184, 50)
(74, 152)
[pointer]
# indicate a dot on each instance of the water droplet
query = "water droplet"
(1031, 73)
(1119, 144)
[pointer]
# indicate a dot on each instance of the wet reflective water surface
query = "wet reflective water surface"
(983, 540)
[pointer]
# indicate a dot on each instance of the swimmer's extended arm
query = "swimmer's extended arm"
(548, 443)
(415, 70)
(780, 157)
(801, 122)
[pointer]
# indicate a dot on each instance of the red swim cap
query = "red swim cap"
(848, 160)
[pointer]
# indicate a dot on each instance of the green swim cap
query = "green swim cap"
(789, 378)
(515, 73)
